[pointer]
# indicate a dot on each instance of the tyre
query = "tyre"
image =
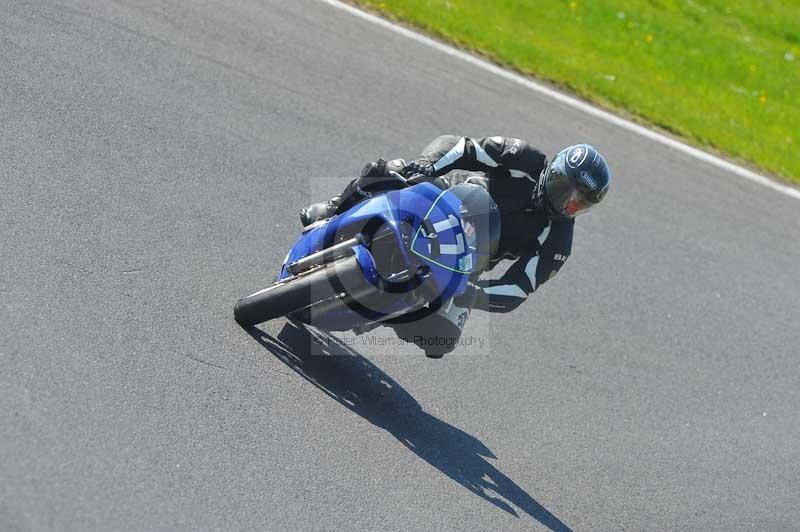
(296, 293)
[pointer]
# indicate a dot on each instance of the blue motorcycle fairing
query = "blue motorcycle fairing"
(401, 211)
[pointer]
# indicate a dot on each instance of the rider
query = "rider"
(538, 203)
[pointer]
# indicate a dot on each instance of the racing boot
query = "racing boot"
(320, 211)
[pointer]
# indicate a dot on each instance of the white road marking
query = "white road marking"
(571, 101)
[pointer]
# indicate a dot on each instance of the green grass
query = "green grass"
(722, 74)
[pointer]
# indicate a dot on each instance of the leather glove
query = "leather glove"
(376, 169)
(418, 168)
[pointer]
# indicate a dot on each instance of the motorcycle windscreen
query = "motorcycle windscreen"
(480, 221)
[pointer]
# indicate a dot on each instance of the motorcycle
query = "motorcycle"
(395, 257)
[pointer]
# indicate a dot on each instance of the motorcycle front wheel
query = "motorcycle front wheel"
(296, 293)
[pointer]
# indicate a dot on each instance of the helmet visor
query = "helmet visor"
(564, 195)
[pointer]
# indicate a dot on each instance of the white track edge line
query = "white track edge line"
(570, 101)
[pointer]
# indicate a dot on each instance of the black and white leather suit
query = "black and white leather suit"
(510, 170)
(539, 243)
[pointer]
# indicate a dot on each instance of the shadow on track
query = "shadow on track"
(355, 382)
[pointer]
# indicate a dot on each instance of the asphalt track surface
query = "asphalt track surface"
(153, 156)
